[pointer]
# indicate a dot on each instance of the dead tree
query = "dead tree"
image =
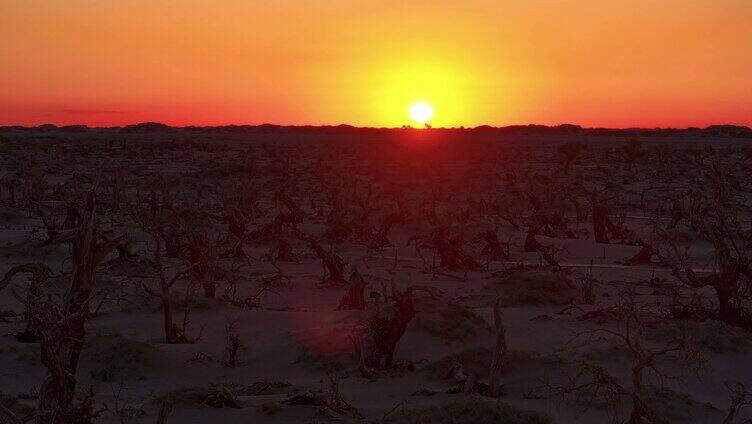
(284, 249)
(500, 351)
(531, 243)
(236, 225)
(200, 249)
(644, 256)
(596, 381)
(52, 227)
(333, 263)
(677, 213)
(388, 326)
(173, 333)
(549, 255)
(633, 151)
(600, 222)
(10, 185)
(174, 239)
(732, 281)
(61, 327)
(296, 213)
(379, 239)
(450, 250)
(603, 227)
(234, 345)
(729, 285)
(570, 150)
(124, 251)
(355, 297)
(493, 249)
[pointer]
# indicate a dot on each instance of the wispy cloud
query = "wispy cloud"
(89, 112)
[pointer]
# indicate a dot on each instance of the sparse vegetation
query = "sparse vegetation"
(711, 335)
(143, 267)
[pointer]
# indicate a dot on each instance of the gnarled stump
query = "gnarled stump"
(355, 297)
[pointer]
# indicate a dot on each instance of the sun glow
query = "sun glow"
(399, 86)
(421, 112)
(219, 62)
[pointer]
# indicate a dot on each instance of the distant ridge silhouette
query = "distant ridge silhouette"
(725, 131)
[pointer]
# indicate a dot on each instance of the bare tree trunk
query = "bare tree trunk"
(600, 223)
(355, 297)
(165, 411)
(171, 335)
(726, 310)
(332, 262)
(62, 329)
(531, 243)
(388, 331)
(500, 351)
(210, 289)
(450, 250)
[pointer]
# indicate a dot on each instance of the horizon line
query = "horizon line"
(156, 124)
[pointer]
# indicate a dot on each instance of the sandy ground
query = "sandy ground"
(293, 335)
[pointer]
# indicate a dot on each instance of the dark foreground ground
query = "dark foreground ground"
(269, 274)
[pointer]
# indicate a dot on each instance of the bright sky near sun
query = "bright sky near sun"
(367, 62)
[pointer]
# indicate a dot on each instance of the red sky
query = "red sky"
(668, 63)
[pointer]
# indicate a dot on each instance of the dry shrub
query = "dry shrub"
(467, 412)
(714, 336)
(535, 288)
(677, 407)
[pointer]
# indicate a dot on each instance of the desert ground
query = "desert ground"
(311, 275)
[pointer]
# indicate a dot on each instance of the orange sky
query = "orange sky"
(364, 62)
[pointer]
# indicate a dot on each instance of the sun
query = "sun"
(421, 112)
